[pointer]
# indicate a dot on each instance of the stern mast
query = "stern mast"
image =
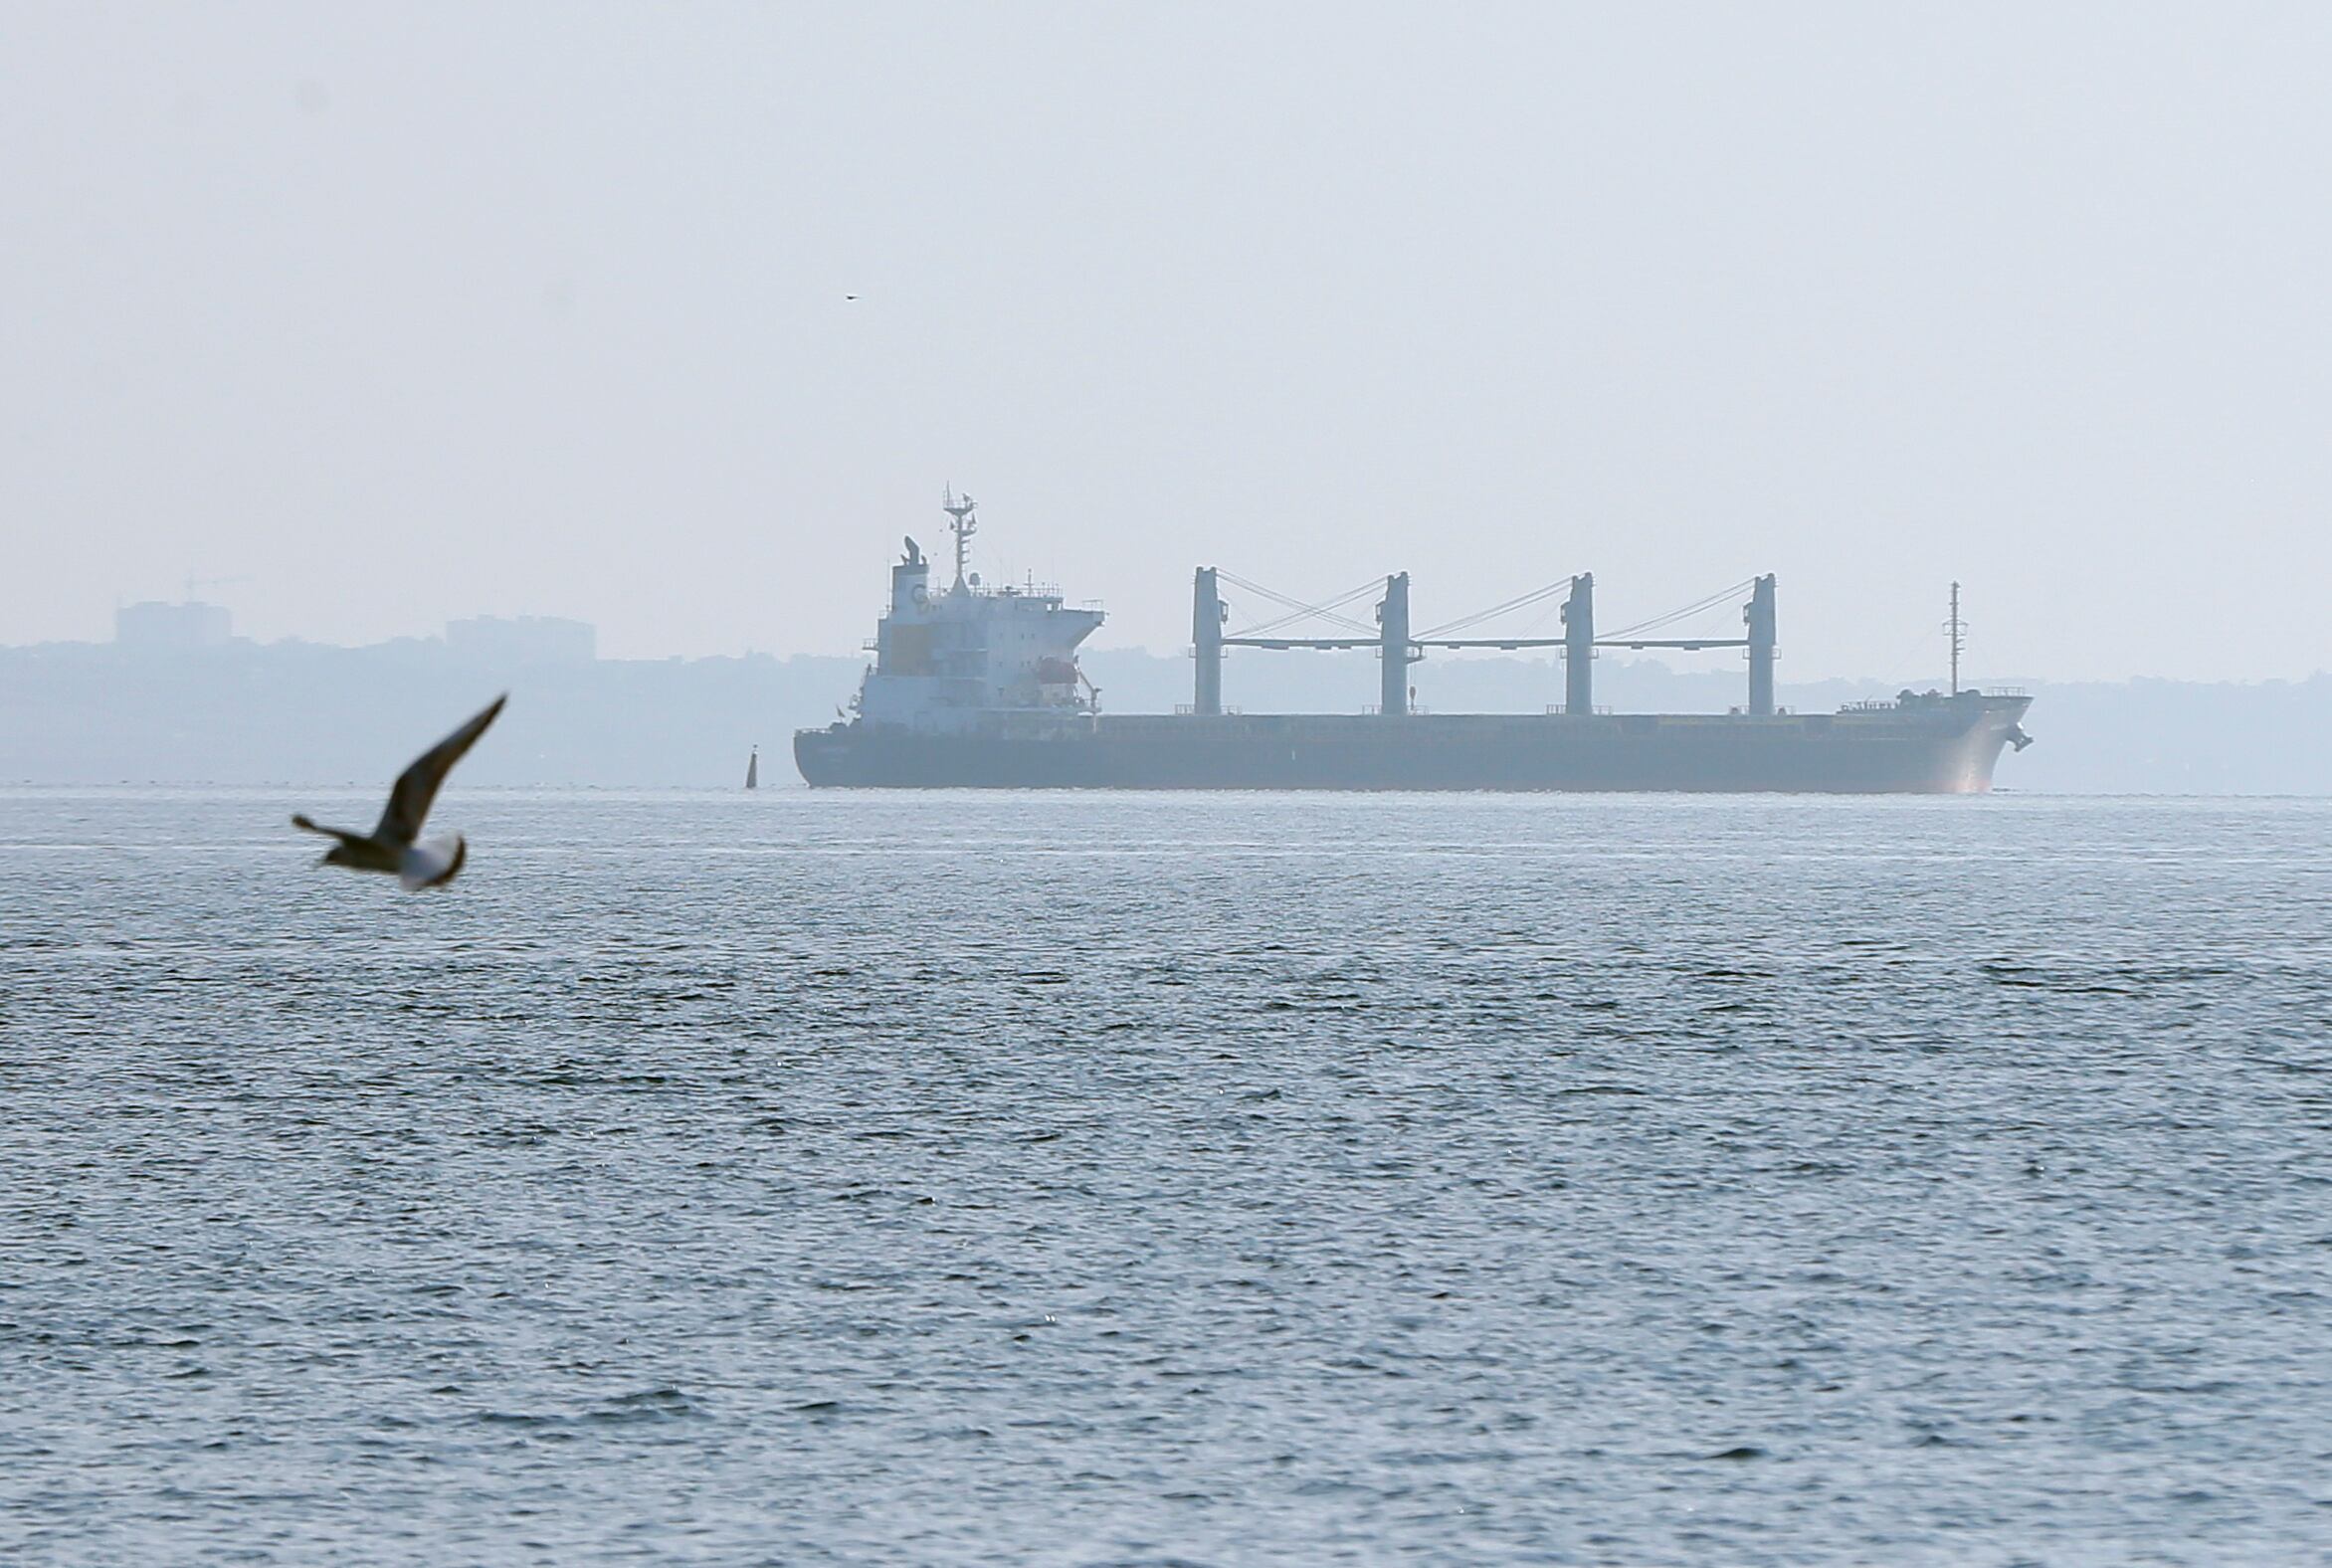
(963, 525)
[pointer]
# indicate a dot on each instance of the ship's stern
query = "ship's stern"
(822, 756)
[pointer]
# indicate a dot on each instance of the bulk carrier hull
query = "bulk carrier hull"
(978, 688)
(1917, 745)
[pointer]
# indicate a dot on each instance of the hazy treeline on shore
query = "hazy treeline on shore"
(305, 713)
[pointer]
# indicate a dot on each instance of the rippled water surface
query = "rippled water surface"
(803, 1178)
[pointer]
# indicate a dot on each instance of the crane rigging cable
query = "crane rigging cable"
(1266, 628)
(1299, 610)
(1296, 610)
(1276, 597)
(1305, 612)
(1518, 602)
(1696, 607)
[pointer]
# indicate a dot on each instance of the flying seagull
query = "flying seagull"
(394, 845)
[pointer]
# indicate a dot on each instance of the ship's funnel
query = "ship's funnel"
(910, 581)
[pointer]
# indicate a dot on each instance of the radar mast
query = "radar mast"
(1955, 632)
(963, 525)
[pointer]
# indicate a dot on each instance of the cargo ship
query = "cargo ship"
(978, 687)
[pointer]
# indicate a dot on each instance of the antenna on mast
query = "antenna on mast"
(963, 525)
(1956, 630)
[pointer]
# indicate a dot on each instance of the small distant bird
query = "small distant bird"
(850, 296)
(394, 845)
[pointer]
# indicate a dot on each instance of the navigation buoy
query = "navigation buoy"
(753, 769)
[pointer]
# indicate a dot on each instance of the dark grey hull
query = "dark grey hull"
(1929, 747)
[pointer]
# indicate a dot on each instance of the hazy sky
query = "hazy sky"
(404, 312)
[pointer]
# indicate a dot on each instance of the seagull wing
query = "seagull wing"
(417, 785)
(300, 820)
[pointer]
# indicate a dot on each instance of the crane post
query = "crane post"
(1206, 637)
(1393, 646)
(1759, 615)
(1579, 645)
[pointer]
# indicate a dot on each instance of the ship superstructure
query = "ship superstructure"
(951, 660)
(979, 687)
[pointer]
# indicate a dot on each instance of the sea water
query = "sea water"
(1058, 1178)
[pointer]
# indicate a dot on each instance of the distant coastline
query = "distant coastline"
(242, 712)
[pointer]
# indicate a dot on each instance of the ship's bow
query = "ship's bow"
(1997, 725)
